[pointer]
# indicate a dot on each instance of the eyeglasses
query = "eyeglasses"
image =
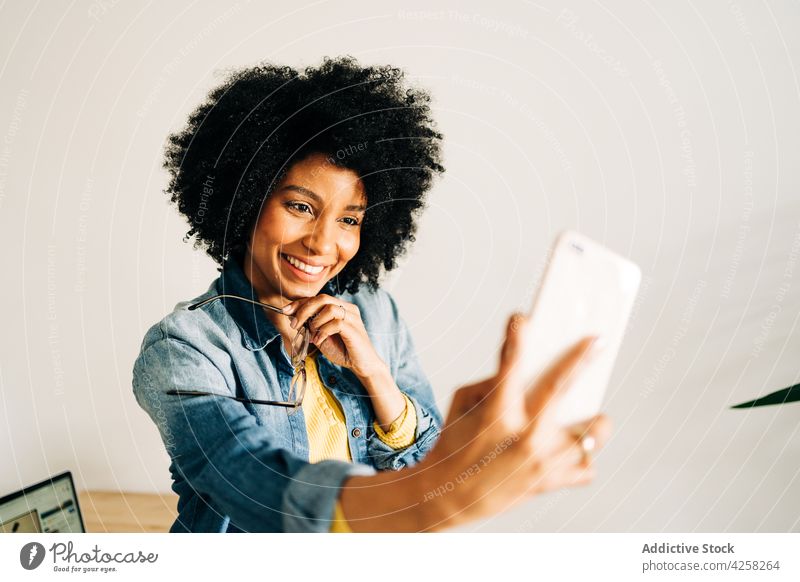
(300, 343)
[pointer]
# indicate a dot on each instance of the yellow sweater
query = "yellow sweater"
(327, 430)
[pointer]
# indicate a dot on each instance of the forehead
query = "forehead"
(318, 174)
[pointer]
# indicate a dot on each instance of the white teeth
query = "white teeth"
(303, 267)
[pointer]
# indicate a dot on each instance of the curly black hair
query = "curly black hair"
(250, 130)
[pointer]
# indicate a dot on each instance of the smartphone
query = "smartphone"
(586, 290)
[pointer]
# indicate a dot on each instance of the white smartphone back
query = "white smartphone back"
(586, 290)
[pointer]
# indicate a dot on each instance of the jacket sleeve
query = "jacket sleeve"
(222, 452)
(402, 431)
(410, 378)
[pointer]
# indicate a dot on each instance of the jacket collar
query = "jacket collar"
(257, 329)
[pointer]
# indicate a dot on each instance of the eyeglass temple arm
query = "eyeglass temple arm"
(237, 398)
(267, 305)
(227, 296)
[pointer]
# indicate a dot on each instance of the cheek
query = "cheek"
(349, 247)
(273, 230)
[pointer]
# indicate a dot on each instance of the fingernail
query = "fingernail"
(293, 322)
(288, 308)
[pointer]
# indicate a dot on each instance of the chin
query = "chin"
(304, 294)
(295, 291)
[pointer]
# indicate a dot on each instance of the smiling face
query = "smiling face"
(308, 230)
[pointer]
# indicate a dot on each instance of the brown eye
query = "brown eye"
(299, 207)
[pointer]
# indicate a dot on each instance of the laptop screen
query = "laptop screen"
(48, 507)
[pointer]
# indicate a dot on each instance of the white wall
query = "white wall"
(668, 131)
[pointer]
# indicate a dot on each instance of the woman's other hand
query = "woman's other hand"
(338, 331)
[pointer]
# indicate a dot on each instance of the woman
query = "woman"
(289, 395)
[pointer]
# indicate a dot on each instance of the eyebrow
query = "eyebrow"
(318, 199)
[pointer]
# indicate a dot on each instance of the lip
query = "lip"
(302, 275)
(306, 261)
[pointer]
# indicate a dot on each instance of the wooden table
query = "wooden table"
(120, 511)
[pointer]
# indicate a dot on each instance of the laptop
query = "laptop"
(47, 507)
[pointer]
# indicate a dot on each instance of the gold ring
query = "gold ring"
(588, 444)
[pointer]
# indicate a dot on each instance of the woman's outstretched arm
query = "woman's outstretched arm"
(500, 445)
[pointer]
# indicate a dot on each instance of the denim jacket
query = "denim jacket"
(244, 467)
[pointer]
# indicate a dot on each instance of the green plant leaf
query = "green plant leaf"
(790, 394)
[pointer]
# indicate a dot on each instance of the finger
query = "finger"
(560, 474)
(566, 465)
(309, 307)
(511, 351)
(572, 451)
(508, 374)
(294, 308)
(321, 317)
(577, 475)
(552, 385)
(328, 313)
(574, 454)
(337, 326)
(598, 428)
(507, 399)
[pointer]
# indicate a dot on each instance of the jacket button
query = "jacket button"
(356, 432)
(332, 380)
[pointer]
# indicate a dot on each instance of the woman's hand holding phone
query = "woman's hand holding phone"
(501, 444)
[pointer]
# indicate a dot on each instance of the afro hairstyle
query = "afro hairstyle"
(240, 142)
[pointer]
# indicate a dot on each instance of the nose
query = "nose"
(320, 240)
